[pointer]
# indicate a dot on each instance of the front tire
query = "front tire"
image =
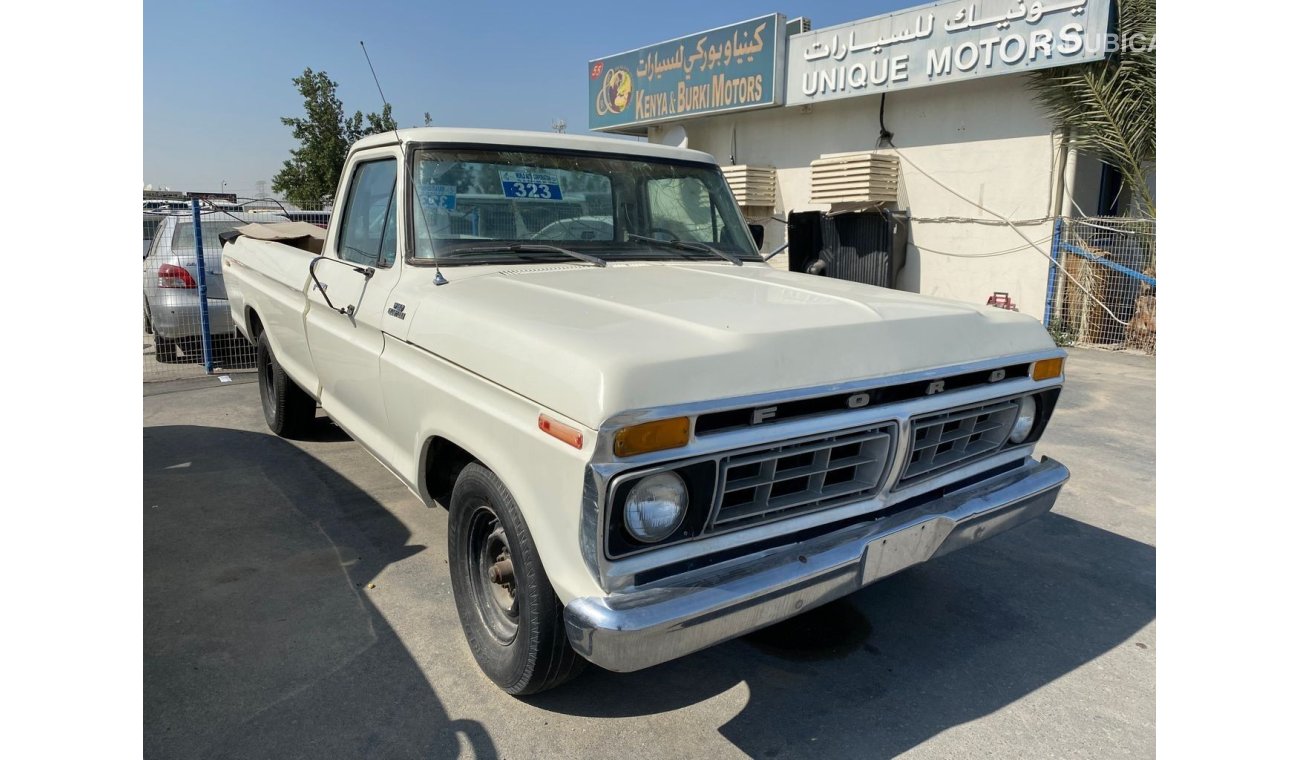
(512, 620)
(289, 411)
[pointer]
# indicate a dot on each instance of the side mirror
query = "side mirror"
(756, 231)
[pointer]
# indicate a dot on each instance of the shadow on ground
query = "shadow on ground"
(883, 670)
(259, 639)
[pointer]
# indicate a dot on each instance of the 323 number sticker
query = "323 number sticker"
(532, 185)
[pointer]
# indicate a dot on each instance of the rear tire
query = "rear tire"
(514, 628)
(289, 411)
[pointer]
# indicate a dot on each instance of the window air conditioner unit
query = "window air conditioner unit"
(753, 186)
(798, 25)
(858, 177)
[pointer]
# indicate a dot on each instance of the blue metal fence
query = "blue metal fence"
(188, 330)
(1101, 288)
(200, 267)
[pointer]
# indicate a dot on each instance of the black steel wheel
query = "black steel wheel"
(512, 619)
(493, 584)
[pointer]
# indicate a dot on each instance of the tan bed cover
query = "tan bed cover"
(302, 235)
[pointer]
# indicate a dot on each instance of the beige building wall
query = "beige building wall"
(984, 139)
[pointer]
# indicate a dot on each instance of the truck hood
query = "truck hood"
(592, 342)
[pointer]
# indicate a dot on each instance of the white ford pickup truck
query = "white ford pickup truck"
(648, 440)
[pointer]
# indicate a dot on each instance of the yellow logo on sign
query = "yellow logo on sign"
(615, 92)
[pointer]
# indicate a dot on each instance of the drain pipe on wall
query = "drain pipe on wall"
(1060, 156)
(1070, 172)
(1067, 160)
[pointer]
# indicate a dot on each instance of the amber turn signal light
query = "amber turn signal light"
(557, 429)
(652, 436)
(1046, 369)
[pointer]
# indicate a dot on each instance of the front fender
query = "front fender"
(427, 397)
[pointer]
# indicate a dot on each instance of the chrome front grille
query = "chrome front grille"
(945, 441)
(801, 476)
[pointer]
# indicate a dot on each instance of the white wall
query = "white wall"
(985, 139)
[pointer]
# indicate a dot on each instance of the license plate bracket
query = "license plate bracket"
(900, 550)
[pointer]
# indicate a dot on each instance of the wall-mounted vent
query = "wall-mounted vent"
(752, 185)
(798, 25)
(860, 177)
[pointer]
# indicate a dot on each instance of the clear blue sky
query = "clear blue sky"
(217, 75)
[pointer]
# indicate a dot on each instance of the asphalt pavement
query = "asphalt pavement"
(296, 605)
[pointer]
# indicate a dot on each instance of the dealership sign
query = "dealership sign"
(945, 42)
(726, 69)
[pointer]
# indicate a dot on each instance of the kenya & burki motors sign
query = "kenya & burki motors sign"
(730, 68)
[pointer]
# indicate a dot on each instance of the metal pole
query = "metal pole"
(1051, 272)
(202, 271)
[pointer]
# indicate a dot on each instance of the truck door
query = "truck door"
(346, 346)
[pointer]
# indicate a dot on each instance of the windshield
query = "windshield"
(473, 205)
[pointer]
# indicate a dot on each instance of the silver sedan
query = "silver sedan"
(171, 276)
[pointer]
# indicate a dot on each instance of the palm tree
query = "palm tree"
(1107, 108)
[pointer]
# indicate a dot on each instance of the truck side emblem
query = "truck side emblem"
(761, 414)
(858, 400)
(996, 375)
(935, 386)
(397, 310)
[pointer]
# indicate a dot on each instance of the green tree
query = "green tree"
(311, 175)
(1107, 108)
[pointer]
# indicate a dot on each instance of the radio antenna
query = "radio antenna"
(438, 279)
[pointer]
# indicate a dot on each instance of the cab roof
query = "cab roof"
(525, 139)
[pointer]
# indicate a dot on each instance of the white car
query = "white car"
(647, 439)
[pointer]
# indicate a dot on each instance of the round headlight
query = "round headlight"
(1024, 419)
(655, 507)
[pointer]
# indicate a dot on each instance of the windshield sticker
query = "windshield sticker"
(536, 185)
(438, 196)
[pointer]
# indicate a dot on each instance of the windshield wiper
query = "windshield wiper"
(685, 245)
(531, 248)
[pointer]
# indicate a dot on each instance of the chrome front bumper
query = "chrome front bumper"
(634, 630)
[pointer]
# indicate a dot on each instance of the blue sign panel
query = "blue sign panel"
(545, 187)
(741, 66)
(439, 196)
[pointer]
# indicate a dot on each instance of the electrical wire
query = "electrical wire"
(1066, 192)
(988, 254)
(227, 212)
(1010, 225)
(886, 137)
(1065, 188)
(213, 209)
(969, 220)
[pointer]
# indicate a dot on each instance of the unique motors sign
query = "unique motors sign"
(944, 42)
(726, 69)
